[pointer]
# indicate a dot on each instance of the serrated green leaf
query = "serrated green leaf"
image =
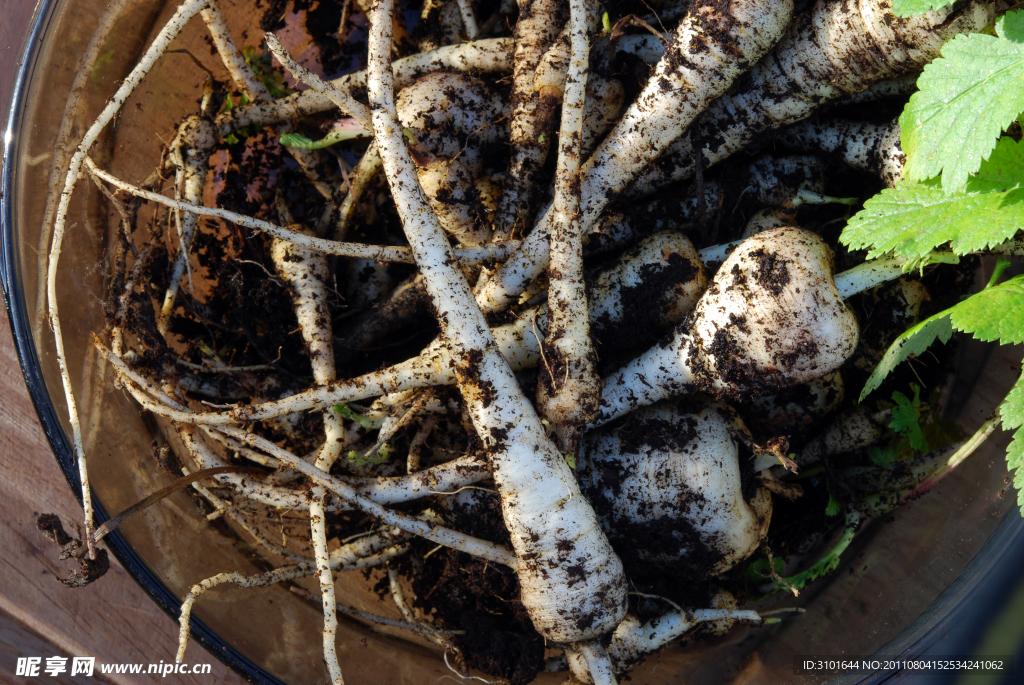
(966, 98)
(912, 219)
(1011, 411)
(1014, 462)
(1002, 171)
(906, 419)
(996, 313)
(908, 8)
(883, 456)
(297, 140)
(912, 342)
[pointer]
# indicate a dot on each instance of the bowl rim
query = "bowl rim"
(922, 636)
(18, 313)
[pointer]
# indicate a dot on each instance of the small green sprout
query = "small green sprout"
(834, 505)
(352, 416)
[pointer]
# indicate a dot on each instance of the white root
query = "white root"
(358, 182)
(143, 391)
(552, 71)
(381, 253)
(632, 640)
(541, 502)
(307, 273)
(899, 87)
(420, 627)
(185, 11)
(489, 56)
(222, 508)
(570, 398)
(467, 470)
(868, 147)
(590, 663)
(774, 180)
(772, 318)
(617, 230)
(804, 63)
(365, 552)
(847, 432)
(812, 66)
(868, 275)
(668, 259)
(339, 97)
(61, 147)
(468, 19)
(456, 119)
(539, 21)
(677, 469)
(697, 67)
(604, 102)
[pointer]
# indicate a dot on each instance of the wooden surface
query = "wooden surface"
(112, 620)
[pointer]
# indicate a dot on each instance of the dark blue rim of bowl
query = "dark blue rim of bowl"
(923, 636)
(21, 329)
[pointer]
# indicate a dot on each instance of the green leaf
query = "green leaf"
(997, 273)
(830, 561)
(834, 505)
(912, 219)
(912, 342)
(883, 456)
(908, 8)
(966, 98)
(1003, 170)
(297, 140)
(1011, 411)
(352, 416)
(570, 460)
(906, 418)
(996, 313)
(1014, 462)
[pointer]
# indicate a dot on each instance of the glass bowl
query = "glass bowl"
(902, 584)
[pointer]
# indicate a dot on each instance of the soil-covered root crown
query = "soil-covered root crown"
(771, 318)
(667, 488)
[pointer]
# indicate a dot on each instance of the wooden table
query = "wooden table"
(112, 619)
